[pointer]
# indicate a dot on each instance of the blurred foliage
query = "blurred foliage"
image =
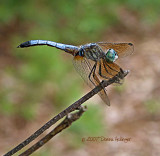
(90, 124)
(148, 10)
(120, 87)
(152, 106)
(67, 22)
(55, 20)
(44, 74)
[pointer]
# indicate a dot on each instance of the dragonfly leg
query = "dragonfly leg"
(94, 75)
(100, 72)
(93, 72)
(106, 68)
(118, 77)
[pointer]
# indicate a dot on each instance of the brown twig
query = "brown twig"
(69, 109)
(70, 118)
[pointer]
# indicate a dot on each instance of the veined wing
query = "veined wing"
(84, 67)
(109, 70)
(122, 49)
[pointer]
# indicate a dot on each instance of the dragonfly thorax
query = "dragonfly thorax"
(91, 51)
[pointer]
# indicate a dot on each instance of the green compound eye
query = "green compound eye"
(111, 55)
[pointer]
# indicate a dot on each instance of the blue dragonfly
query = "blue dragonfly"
(93, 61)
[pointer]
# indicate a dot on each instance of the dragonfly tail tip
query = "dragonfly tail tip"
(20, 46)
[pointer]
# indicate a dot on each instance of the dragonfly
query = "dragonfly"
(94, 61)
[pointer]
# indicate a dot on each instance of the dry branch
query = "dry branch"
(69, 109)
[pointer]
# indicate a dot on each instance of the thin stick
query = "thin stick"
(70, 118)
(69, 109)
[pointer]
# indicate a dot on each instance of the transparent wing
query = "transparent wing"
(109, 70)
(122, 49)
(84, 67)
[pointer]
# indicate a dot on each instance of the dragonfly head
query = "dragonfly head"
(111, 55)
(81, 52)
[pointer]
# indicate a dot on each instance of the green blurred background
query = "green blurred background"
(37, 83)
